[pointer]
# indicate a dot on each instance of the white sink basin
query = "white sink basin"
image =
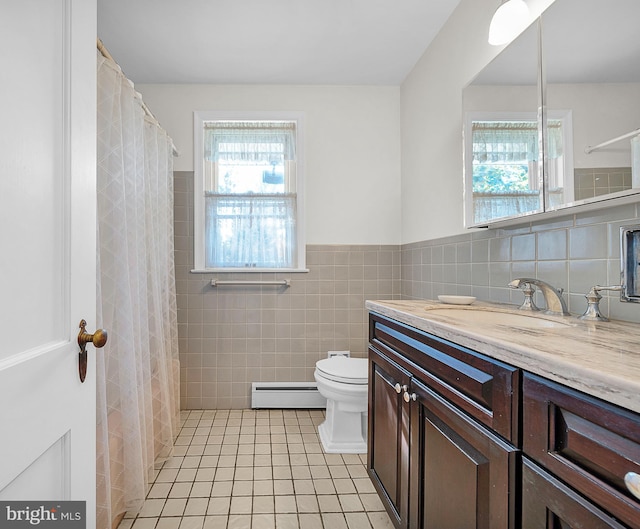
(484, 316)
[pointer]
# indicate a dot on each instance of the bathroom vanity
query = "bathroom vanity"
(482, 417)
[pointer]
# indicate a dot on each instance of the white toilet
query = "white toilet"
(343, 382)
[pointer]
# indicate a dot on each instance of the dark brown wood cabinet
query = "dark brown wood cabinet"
(547, 503)
(586, 443)
(458, 440)
(462, 474)
(433, 457)
(388, 454)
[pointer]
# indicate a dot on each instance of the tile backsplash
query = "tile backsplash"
(574, 253)
(233, 335)
(230, 336)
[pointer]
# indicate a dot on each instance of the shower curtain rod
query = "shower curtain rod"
(105, 53)
(589, 149)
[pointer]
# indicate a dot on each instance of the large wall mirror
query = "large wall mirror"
(591, 62)
(545, 133)
(503, 170)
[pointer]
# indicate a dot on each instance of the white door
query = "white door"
(47, 249)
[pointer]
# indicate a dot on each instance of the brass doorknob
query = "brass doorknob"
(98, 339)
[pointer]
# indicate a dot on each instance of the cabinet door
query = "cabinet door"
(462, 476)
(549, 504)
(388, 450)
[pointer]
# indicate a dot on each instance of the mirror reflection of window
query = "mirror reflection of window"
(587, 58)
(504, 101)
(504, 168)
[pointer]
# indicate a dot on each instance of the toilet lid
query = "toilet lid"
(342, 369)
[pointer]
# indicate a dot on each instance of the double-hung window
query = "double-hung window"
(248, 193)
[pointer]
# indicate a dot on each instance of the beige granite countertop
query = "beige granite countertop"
(598, 358)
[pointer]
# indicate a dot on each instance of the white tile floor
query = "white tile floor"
(264, 469)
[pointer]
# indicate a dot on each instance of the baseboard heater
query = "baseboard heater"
(286, 395)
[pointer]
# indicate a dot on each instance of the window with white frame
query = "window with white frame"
(248, 200)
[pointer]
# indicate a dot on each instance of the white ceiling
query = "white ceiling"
(330, 42)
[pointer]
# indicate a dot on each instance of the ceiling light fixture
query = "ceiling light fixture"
(508, 21)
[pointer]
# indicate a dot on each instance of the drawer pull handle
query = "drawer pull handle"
(408, 397)
(399, 389)
(632, 481)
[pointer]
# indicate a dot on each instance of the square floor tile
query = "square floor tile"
(263, 504)
(285, 504)
(219, 506)
(191, 522)
(310, 521)
(329, 503)
(334, 520)
(174, 507)
(168, 522)
(258, 469)
(242, 521)
(240, 505)
(152, 508)
(196, 506)
(263, 521)
(357, 520)
(215, 522)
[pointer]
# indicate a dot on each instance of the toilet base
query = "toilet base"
(343, 432)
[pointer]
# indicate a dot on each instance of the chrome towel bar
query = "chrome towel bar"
(241, 282)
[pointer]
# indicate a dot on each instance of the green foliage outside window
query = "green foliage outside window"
(500, 178)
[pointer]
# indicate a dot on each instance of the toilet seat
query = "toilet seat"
(345, 370)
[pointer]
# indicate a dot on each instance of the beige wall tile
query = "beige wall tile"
(232, 337)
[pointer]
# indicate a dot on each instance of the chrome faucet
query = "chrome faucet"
(552, 296)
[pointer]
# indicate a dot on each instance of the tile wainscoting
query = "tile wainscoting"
(232, 336)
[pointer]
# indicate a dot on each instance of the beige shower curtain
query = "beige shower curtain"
(138, 370)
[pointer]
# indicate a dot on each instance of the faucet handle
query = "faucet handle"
(593, 303)
(528, 304)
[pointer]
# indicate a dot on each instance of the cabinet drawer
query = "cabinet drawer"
(548, 504)
(483, 387)
(585, 442)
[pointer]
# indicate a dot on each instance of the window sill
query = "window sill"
(249, 270)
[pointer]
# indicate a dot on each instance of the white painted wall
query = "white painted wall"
(431, 127)
(600, 112)
(361, 186)
(352, 149)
